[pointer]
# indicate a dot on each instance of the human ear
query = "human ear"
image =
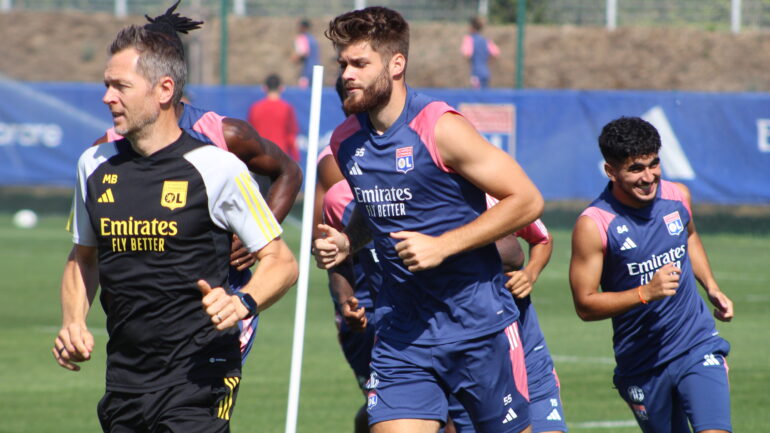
(397, 64)
(166, 87)
(609, 171)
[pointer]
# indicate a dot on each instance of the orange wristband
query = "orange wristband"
(641, 298)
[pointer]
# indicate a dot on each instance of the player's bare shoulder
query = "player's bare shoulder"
(242, 139)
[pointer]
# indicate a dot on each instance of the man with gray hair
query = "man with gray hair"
(154, 214)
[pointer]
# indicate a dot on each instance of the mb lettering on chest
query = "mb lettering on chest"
(383, 202)
(646, 269)
(137, 234)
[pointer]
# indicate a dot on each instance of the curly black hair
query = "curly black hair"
(627, 137)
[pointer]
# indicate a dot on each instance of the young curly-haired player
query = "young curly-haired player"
(637, 242)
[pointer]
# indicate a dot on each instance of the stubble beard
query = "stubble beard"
(138, 128)
(372, 97)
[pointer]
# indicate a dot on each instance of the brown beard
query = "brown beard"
(372, 97)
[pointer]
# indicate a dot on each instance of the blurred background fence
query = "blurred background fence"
(707, 14)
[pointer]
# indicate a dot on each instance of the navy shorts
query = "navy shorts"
(357, 347)
(487, 376)
(203, 406)
(692, 388)
(545, 411)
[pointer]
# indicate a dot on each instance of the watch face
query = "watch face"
(248, 302)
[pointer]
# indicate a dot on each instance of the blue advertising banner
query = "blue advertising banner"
(718, 144)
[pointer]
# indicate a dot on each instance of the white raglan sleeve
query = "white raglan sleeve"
(80, 225)
(235, 203)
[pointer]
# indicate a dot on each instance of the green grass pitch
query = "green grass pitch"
(38, 396)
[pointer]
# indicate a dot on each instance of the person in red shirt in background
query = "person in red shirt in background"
(274, 118)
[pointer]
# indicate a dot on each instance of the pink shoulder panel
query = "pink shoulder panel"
(336, 200)
(326, 151)
(112, 135)
(210, 125)
(669, 191)
(535, 233)
(602, 219)
(347, 128)
(425, 126)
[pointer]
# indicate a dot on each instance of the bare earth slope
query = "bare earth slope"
(72, 46)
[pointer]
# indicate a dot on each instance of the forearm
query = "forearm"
(283, 191)
(508, 216)
(539, 256)
(700, 263)
(273, 276)
(265, 158)
(604, 305)
(357, 231)
(341, 282)
(78, 286)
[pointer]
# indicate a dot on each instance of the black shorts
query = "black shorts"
(203, 406)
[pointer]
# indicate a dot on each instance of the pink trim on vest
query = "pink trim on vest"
(347, 128)
(301, 44)
(494, 50)
(517, 359)
(535, 233)
(210, 125)
(424, 124)
(246, 333)
(491, 201)
(467, 46)
(112, 135)
(602, 219)
(669, 191)
(727, 368)
(326, 151)
(556, 378)
(336, 200)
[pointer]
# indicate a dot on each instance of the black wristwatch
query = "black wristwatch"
(249, 303)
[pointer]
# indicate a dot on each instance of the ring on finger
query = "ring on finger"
(219, 319)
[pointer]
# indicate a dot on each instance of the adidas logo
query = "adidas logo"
(510, 416)
(628, 244)
(710, 360)
(106, 197)
(355, 170)
(554, 416)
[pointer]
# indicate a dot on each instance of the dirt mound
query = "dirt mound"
(71, 46)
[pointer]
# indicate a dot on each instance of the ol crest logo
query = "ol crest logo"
(174, 194)
(673, 223)
(371, 400)
(404, 159)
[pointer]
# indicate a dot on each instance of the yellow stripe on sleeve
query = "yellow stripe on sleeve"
(70, 220)
(266, 220)
(264, 210)
(244, 193)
